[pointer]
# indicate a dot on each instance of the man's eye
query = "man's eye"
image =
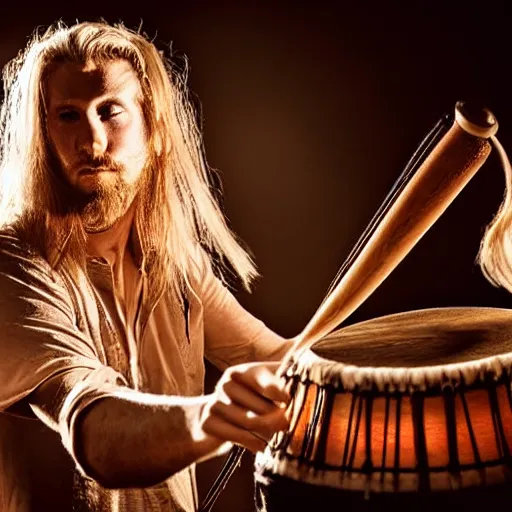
(69, 116)
(108, 111)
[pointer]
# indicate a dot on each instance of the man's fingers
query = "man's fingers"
(261, 425)
(247, 407)
(262, 380)
(247, 398)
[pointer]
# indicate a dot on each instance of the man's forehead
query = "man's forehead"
(69, 82)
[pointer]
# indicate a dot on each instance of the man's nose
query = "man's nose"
(92, 138)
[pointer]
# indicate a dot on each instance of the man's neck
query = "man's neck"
(111, 244)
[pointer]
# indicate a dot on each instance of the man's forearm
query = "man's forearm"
(136, 439)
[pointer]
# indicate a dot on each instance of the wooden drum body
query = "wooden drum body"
(408, 411)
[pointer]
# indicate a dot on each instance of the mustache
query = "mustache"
(104, 162)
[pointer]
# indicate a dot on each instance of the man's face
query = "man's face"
(97, 132)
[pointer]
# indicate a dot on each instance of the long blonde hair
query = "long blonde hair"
(495, 255)
(176, 213)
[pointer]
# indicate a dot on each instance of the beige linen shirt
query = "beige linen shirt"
(50, 326)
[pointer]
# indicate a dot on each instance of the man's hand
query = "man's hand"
(247, 406)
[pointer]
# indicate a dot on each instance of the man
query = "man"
(109, 297)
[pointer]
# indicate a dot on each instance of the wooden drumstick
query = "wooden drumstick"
(439, 179)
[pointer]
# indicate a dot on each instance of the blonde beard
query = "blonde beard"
(107, 205)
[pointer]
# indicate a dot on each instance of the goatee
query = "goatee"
(107, 204)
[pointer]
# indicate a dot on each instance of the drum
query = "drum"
(411, 411)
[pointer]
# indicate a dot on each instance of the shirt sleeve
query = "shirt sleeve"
(232, 334)
(40, 340)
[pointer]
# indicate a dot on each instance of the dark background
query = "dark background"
(310, 113)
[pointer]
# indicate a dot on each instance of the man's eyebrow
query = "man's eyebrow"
(109, 97)
(63, 104)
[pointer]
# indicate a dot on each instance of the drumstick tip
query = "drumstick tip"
(476, 120)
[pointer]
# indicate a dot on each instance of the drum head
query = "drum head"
(421, 338)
